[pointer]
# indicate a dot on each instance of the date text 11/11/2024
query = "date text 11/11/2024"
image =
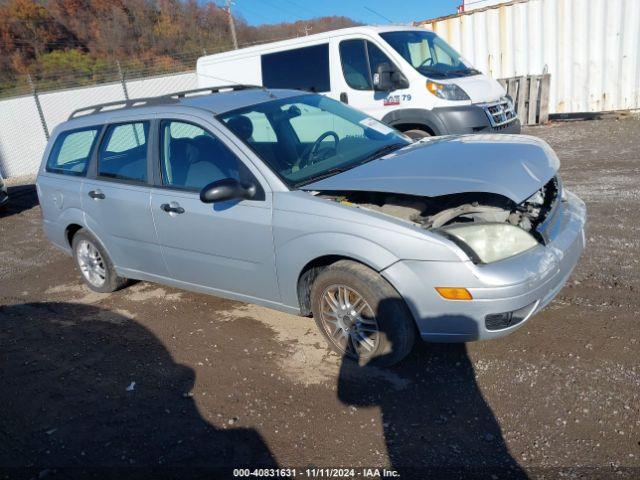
(315, 473)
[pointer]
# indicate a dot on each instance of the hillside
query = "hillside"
(67, 42)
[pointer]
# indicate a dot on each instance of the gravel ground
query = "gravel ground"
(153, 381)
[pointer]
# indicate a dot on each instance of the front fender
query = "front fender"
(295, 254)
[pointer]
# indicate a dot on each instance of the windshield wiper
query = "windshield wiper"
(382, 152)
(329, 173)
(334, 171)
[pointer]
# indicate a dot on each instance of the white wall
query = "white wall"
(591, 48)
(22, 138)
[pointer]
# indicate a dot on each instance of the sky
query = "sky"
(257, 12)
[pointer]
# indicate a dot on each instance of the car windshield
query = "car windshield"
(309, 137)
(429, 54)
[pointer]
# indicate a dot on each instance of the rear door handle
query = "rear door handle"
(172, 208)
(96, 195)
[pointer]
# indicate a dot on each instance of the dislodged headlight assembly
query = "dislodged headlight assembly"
(490, 242)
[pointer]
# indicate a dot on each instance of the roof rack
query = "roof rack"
(145, 101)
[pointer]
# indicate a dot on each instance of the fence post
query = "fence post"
(123, 80)
(34, 92)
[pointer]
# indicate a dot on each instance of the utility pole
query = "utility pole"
(232, 26)
(307, 29)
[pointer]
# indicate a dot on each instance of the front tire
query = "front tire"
(361, 315)
(94, 264)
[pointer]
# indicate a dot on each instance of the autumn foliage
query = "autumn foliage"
(79, 41)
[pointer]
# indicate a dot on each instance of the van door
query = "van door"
(359, 61)
(227, 246)
(115, 199)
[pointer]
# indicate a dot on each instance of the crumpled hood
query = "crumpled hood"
(514, 166)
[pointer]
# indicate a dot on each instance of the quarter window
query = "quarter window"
(192, 157)
(123, 153)
(71, 151)
(301, 68)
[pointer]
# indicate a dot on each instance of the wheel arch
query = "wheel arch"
(417, 118)
(310, 272)
(300, 259)
(70, 232)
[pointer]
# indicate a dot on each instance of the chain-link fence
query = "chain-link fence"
(35, 105)
(27, 120)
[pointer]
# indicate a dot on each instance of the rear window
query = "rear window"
(301, 68)
(123, 152)
(71, 151)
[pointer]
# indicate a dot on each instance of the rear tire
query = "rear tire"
(416, 134)
(361, 315)
(94, 264)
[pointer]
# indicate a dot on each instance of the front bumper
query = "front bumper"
(467, 119)
(525, 282)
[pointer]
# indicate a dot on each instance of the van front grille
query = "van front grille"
(500, 113)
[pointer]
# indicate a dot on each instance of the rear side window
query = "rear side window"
(302, 68)
(123, 153)
(71, 151)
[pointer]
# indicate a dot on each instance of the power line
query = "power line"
(378, 14)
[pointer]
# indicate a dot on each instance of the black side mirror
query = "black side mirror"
(388, 78)
(227, 189)
(383, 78)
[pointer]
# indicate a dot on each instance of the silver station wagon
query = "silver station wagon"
(300, 203)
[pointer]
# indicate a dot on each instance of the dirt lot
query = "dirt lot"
(156, 378)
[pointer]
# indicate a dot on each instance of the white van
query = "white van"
(407, 77)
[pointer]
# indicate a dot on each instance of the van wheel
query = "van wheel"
(416, 135)
(94, 264)
(361, 315)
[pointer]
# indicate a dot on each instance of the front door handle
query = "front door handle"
(171, 208)
(96, 195)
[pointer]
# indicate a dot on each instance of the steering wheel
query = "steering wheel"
(309, 156)
(426, 62)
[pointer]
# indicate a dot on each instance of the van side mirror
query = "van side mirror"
(388, 78)
(227, 189)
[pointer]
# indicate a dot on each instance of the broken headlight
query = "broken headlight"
(490, 242)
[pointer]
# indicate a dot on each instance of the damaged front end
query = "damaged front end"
(487, 226)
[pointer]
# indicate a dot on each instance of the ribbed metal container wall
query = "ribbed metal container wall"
(591, 48)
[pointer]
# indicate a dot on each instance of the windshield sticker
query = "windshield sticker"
(376, 125)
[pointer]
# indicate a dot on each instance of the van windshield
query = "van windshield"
(309, 137)
(429, 54)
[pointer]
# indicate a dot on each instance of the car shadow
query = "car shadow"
(21, 198)
(70, 409)
(437, 424)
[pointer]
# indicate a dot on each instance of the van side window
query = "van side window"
(354, 64)
(123, 153)
(304, 68)
(71, 151)
(360, 60)
(376, 58)
(191, 157)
